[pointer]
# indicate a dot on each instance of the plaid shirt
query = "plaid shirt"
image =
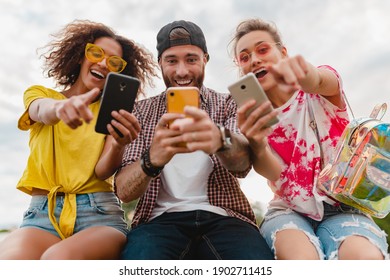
(222, 188)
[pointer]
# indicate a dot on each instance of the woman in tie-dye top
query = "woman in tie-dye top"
(301, 222)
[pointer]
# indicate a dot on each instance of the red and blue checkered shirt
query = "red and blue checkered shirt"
(223, 187)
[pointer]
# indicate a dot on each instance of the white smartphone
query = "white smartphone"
(246, 88)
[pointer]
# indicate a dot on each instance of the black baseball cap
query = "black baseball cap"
(196, 37)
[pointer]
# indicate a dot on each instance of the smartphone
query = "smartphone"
(119, 92)
(178, 98)
(246, 88)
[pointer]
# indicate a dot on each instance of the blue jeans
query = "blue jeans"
(338, 223)
(93, 209)
(195, 235)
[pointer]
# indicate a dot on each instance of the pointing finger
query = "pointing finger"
(90, 96)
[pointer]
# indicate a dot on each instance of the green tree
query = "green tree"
(129, 208)
(257, 208)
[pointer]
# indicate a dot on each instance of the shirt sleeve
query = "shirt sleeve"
(134, 150)
(339, 80)
(31, 94)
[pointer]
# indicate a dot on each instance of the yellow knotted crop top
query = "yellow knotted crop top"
(61, 160)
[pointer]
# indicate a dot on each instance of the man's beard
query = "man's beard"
(197, 82)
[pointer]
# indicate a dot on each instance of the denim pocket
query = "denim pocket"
(37, 204)
(107, 203)
(109, 209)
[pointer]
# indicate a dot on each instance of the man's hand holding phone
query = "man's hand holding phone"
(166, 140)
(198, 131)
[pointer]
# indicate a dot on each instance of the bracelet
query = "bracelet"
(148, 167)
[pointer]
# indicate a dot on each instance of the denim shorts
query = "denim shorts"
(93, 209)
(338, 223)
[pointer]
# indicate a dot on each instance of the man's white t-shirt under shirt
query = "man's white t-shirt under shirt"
(184, 185)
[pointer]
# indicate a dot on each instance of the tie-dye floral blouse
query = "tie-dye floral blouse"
(297, 145)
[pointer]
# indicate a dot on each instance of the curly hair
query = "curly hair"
(63, 55)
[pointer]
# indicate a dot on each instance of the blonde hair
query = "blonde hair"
(254, 24)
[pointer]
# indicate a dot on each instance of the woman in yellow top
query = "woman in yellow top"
(74, 212)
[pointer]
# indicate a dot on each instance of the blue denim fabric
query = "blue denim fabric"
(338, 223)
(195, 235)
(93, 209)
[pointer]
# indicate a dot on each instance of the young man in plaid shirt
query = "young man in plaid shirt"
(190, 202)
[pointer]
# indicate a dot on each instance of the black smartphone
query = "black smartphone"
(246, 88)
(119, 92)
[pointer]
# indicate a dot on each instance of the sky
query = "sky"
(350, 35)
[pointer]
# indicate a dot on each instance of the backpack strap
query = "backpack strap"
(349, 106)
(379, 110)
(377, 113)
(313, 125)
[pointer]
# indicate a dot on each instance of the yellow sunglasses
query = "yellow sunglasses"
(96, 54)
